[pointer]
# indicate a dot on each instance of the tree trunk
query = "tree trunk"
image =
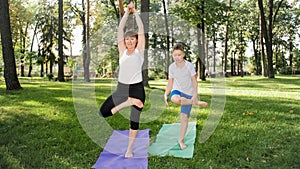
(168, 38)
(118, 14)
(214, 49)
(269, 43)
(60, 77)
(202, 56)
(23, 48)
(121, 7)
(84, 51)
(291, 53)
(226, 40)
(145, 5)
(262, 44)
(88, 51)
(255, 55)
(10, 73)
(31, 49)
(267, 33)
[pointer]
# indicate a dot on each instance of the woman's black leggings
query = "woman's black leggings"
(119, 96)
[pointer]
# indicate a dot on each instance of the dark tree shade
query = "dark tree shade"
(10, 73)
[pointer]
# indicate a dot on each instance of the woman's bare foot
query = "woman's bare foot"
(136, 102)
(114, 110)
(128, 154)
(182, 145)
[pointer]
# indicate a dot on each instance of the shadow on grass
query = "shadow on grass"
(33, 141)
(39, 129)
(255, 132)
(258, 83)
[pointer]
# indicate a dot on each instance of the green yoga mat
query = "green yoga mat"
(166, 142)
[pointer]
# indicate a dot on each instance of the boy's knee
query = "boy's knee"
(183, 115)
(176, 99)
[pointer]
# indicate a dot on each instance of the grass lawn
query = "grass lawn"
(41, 126)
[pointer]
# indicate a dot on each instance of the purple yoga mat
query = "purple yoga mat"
(115, 148)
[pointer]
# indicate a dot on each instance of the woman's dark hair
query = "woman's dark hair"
(178, 46)
(131, 33)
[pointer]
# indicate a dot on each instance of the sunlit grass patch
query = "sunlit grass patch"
(259, 128)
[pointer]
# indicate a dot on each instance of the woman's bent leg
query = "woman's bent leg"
(106, 107)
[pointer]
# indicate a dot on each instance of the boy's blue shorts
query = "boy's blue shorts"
(186, 109)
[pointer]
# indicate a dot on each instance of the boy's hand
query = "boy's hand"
(166, 100)
(195, 99)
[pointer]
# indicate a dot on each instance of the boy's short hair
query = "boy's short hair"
(178, 46)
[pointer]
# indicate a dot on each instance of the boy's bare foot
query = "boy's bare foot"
(182, 145)
(128, 154)
(136, 102)
(201, 104)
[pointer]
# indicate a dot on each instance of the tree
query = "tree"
(10, 73)
(60, 77)
(88, 51)
(226, 38)
(167, 37)
(204, 15)
(267, 30)
(48, 30)
(145, 16)
(82, 14)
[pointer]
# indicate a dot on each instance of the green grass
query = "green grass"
(260, 126)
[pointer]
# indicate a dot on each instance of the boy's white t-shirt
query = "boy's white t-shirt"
(130, 71)
(182, 77)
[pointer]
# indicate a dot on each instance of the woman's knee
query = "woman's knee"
(105, 111)
(134, 125)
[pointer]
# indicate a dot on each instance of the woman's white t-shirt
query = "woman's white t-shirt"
(131, 68)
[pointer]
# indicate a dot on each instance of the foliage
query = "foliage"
(244, 29)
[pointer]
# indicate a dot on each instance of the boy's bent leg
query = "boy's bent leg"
(201, 103)
(181, 100)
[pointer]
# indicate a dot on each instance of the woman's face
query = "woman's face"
(130, 42)
(178, 55)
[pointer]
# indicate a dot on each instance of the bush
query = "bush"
(50, 76)
(285, 70)
(156, 74)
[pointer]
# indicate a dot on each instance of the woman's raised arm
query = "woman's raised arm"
(121, 43)
(141, 33)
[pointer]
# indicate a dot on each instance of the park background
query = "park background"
(50, 45)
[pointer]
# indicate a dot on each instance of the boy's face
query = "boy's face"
(178, 55)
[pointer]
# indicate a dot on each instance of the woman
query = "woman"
(130, 90)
